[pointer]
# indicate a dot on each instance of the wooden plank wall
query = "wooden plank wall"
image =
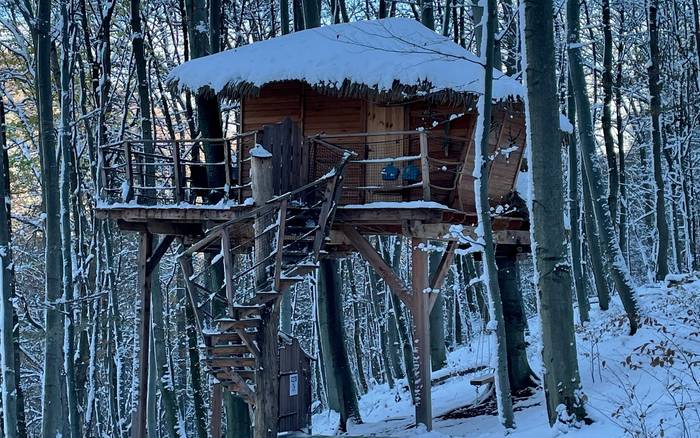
(316, 113)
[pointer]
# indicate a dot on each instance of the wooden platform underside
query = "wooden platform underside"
(430, 223)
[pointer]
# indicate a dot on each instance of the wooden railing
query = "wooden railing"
(237, 257)
(393, 166)
(170, 172)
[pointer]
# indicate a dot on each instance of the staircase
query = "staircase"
(260, 255)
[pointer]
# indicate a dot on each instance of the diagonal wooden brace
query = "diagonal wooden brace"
(396, 285)
(441, 272)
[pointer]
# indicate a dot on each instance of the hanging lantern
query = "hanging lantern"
(390, 172)
(411, 174)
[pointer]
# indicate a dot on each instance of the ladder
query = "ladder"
(258, 255)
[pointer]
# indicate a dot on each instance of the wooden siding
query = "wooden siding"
(451, 140)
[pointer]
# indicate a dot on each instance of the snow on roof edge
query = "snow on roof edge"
(389, 59)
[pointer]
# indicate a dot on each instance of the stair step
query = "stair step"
(224, 375)
(231, 361)
(265, 297)
(231, 323)
(242, 311)
(217, 339)
(227, 350)
(300, 270)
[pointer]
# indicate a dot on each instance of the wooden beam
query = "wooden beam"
(396, 285)
(441, 271)
(420, 310)
(158, 253)
(145, 247)
(216, 405)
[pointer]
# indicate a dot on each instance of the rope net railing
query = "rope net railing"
(393, 166)
(170, 172)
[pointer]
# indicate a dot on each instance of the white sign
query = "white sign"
(293, 384)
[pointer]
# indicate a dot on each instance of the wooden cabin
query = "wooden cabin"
(345, 131)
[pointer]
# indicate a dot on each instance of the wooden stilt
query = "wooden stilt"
(266, 413)
(419, 302)
(216, 405)
(420, 308)
(138, 429)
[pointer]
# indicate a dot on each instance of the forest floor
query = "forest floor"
(646, 385)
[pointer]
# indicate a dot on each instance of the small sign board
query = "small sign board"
(293, 384)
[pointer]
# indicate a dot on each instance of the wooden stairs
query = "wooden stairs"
(287, 241)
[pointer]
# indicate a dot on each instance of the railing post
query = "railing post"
(281, 232)
(227, 168)
(228, 269)
(425, 165)
(239, 161)
(177, 175)
(129, 173)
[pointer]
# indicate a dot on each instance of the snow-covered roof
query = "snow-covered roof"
(393, 58)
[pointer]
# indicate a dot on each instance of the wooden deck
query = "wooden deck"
(191, 222)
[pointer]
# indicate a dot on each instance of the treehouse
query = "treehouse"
(345, 131)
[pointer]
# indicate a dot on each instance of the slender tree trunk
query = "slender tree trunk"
(8, 371)
(356, 335)
(482, 167)
(574, 213)
(66, 235)
(613, 178)
(561, 376)
(618, 267)
(52, 414)
(653, 70)
(621, 140)
(438, 353)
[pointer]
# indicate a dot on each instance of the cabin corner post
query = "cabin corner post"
(138, 429)
(425, 165)
(266, 411)
(420, 306)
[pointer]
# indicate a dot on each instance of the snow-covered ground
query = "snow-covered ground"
(647, 385)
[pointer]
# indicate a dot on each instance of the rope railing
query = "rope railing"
(393, 166)
(171, 172)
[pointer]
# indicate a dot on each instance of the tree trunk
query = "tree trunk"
(520, 375)
(653, 70)
(561, 376)
(618, 267)
(8, 372)
(621, 140)
(52, 413)
(336, 360)
(482, 166)
(613, 178)
(427, 16)
(312, 13)
(356, 335)
(574, 214)
(66, 235)
(438, 352)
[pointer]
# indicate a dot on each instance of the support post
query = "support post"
(227, 170)
(128, 163)
(178, 177)
(138, 429)
(425, 165)
(216, 406)
(266, 413)
(420, 306)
